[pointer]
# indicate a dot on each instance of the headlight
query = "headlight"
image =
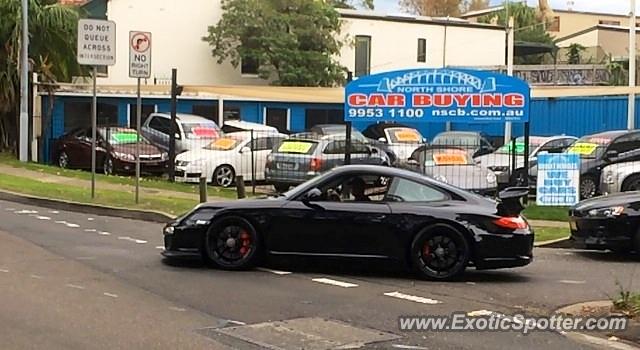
(499, 168)
(491, 178)
(610, 212)
(440, 178)
(125, 156)
(164, 156)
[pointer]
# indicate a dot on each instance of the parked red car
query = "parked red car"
(115, 151)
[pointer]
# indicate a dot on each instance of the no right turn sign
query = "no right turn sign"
(139, 54)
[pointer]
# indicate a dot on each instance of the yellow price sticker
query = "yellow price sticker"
(450, 159)
(407, 136)
(583, 148)
(295, 147)
(224, 143)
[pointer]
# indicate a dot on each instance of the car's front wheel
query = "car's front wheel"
(223, 176)
(232, 243)
(107, 168)
(588, 187)
(63, 160)
(440, 252)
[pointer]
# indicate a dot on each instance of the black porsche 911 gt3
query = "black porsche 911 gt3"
(607, 222)
(361, 211)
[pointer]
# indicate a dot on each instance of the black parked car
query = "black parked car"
(609, 222)
(362, 211)
(599, 150)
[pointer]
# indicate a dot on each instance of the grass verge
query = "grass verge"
(550, 233)
(154, 183)
(120, 199)
(534, 212)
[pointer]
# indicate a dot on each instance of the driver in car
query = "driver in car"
(358, 187)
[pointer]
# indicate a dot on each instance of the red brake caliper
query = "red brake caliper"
(246, 242)
(426, 251)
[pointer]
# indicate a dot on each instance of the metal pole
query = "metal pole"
(24, 84)
(347, 140)
(94, 126)
(138, 118)
(510, 53)
(172, 133)
(527, 132)
(631, 116)
(444, 63)
(253, 164)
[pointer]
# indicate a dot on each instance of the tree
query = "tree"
(574, 54)
(352, 4)
(475, 5)
(528, 27)
(294, 42)
(52, 53)
(435, 8)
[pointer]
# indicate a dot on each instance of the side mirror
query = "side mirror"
(177, 135)
(245, 149)
(383, 140)
(413, 162)
(612, 154)
(313, 195)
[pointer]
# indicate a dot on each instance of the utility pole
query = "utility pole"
(510, 54)
(24, 85)
(631, 116)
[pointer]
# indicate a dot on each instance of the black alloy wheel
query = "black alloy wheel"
(440, 252)
(232, 244)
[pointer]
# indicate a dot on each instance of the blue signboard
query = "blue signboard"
(558, 179)
(437, 95)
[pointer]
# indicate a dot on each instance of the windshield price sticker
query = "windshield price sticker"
(437, 95)
(583, 148)
(295, 147)
(449, 159)
(224, 143)
(407, 136)
(125, 137)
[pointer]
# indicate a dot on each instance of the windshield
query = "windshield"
(224, 144)
(201, 130)
(441, 157)
(590, 147)
(403, 135)
(124, 137)
(519, 147)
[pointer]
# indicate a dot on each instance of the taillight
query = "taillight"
(512, 223)
(315, 164)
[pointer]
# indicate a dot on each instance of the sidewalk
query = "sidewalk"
(71, 181)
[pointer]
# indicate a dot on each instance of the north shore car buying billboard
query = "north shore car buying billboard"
(437, 95)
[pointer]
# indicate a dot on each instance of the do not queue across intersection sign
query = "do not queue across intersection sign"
(437, 95)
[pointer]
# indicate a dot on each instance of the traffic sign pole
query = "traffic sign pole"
(94, 125)
(139, 116)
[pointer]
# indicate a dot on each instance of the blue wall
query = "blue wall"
(549, 116)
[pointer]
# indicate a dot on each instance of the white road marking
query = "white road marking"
(413, 298)
(54, 212)
(104, 233)
(90, 230)
(471, 283)
(38, 277)
(110, 295)
(10, 209)
(140, 241)
(62, 222)
(39, 217)
(125, 238)
(74, 286)
(481, 313)
(90, 219)
(160, 247)
(27, 212)
(277, 272)
(4, 270)
(335, 283)
(72, 225)
(239, 323)
(572, 282)
(179, 309)
(400, 346)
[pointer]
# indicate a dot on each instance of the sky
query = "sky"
(607, 6)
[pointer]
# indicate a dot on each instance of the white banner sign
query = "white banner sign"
(96, 42)
(139, 54)
(558, 179)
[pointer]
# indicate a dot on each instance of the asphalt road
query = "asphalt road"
(76, 281)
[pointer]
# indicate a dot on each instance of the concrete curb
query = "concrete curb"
(555, 243)
(95, 209)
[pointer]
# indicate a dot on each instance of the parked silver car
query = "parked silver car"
(452, 165)
(193, 132)
(304, 156)
(620, 177)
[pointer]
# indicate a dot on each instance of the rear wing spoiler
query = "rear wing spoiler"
(510, 203)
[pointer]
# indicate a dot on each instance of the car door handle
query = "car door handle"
(369, 218)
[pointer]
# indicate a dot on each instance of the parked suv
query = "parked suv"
(476, 143)
(305, 156)
(193, 132)
(600, 150)
(620, 177)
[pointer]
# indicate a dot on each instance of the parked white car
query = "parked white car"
(620, 177)
(192, 132)
(226, 157)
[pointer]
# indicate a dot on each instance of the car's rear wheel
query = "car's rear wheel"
(107, 168)
(223, 176)
(440, 252)
(232, 244)
(63, 160)
(588, 187)
(631, 184)
(280, 187)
